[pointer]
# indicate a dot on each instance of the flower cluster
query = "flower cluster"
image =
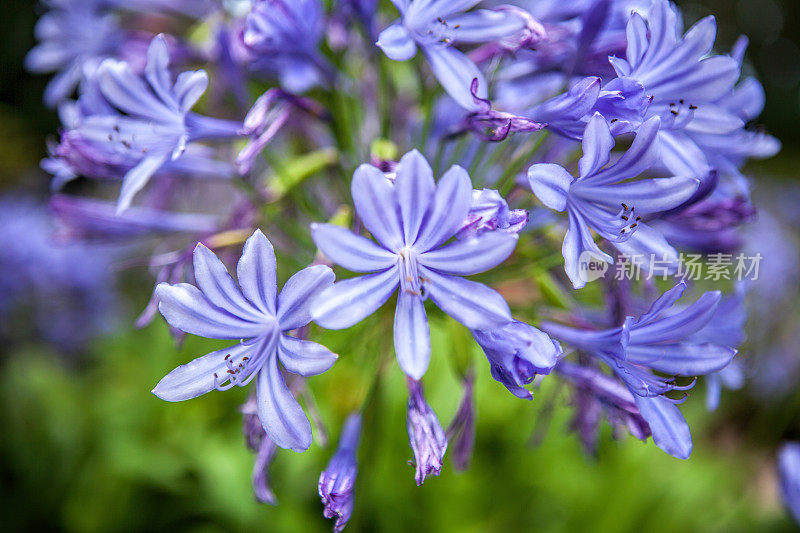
(609, 130)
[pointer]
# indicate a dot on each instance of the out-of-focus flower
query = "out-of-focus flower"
(410, 220)
(337, 481)
(436, 26)
(604, 199)
(253, 311)
(62, 293)
(461, 432)
(789, 472)
(283, 36)
(518, 352)
(258, 441)
(425, 434)
(659, 340)
(131, 126)
(71, 34)
(596, 394)
(492, 125)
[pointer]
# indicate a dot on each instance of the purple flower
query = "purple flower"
(283, 36)
(425, 434)
(436, 25)
(337, 481)
(518, 352)
(490, 212)
(686, 83)
(596, 394)
(71, 34)
(603, 199)
(659, 340)
(789, 472)
(87, 219)
(410, 220)
(134, 126)
(461, 432)
(258, 441)
(253, 311)
(269, 114)
(492, 125)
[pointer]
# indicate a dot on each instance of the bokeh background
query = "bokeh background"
(85, 447)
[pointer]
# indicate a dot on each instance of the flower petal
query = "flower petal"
(642, 154)
(681, 359)
(136, 178)
(350, 250)
(455, 72)
(669, 428)
(218, 286)
(645, 195)
(414, 188)
(597, 144)
(484, 25)
(679, 325)
(304, 357)
(298, 294)
(472, 255)
(197, 377)
(351, 300)
(281, 416)
(186, 309)
(550, 183)
(447, 211)
(396, 43)
(257, 272)
(577, 242)
(412, 341)
(375, 203)
(473, 304)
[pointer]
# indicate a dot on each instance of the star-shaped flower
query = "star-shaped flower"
(411, 219)
(253, 310)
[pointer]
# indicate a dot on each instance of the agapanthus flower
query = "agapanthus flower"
(604, 199)
(283, 37)
(490, 212)
(411, 219)
(258, 441)
(71, 34)
(461, 431)
(596, 393)
(255, 312)
(789, 472)
(493, 125)
(337, 481)
(686, 83)
(517, 353)
(656, 341)
(135, 125)
(425, 434)
(435, 26)
(89, 219)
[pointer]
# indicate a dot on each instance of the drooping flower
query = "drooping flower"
(283, 37)
(789, 472)
(490, 212)
(517, 353)
(337, 481)
(659, 340)
(604, 199)
(410, 220)
(425, 434)
(492, 125)
(461, 431)
(253, 310)
(435, 26)
(71, 34)
(258, 441)
(130, 126)
(597, 393)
